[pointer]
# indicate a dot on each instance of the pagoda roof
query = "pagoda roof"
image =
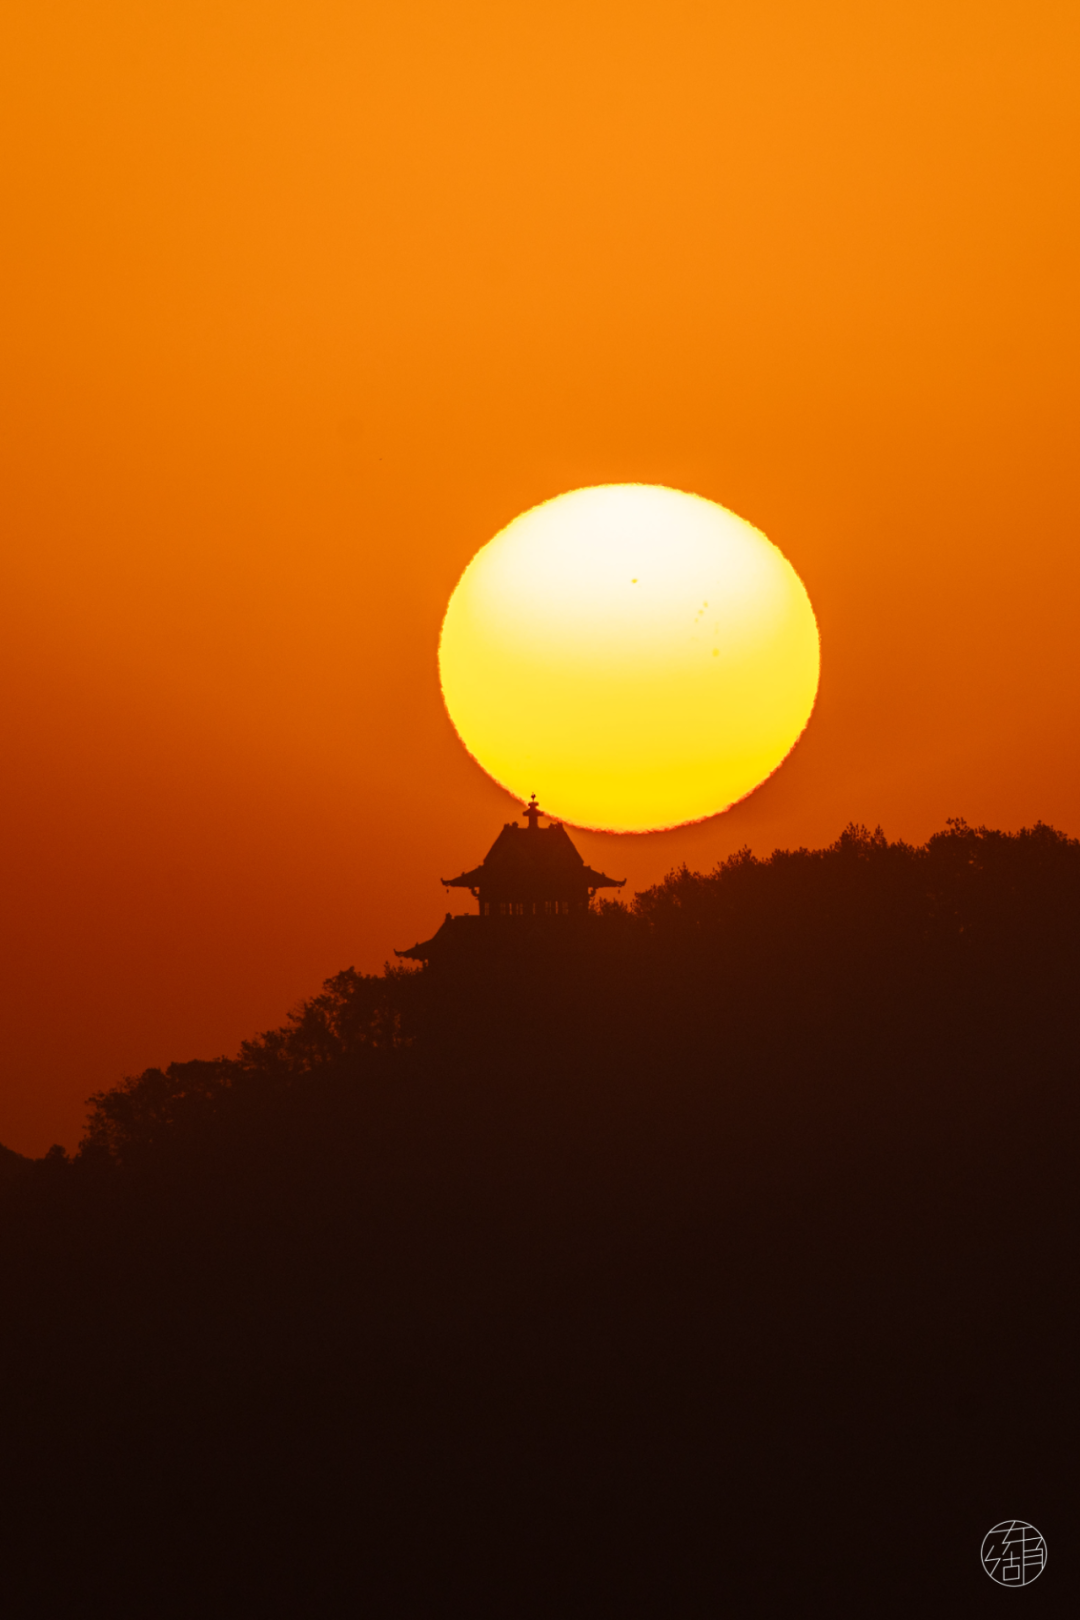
(454, 931)
(533, 856)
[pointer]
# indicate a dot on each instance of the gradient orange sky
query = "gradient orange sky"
(303, 302)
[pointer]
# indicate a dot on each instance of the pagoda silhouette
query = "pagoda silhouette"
(531, 887)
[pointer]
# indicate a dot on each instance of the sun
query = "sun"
(639, 656)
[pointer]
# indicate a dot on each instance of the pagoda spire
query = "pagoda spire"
(533, 813)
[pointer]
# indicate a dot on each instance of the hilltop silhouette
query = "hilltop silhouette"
(714, 1255)
(11, 1165)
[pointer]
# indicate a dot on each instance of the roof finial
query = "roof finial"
(533, 813)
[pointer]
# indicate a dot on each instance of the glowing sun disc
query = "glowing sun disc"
(637, 656)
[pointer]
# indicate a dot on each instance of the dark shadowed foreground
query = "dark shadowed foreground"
(720, 1263)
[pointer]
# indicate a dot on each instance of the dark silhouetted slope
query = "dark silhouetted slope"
(12, 1165)
(720, 1264)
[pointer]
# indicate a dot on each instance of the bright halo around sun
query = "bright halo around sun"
(637, 656)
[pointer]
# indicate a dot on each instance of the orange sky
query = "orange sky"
(303, 301)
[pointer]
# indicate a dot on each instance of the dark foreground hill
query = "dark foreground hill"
(12, 1165)
(722, 1263)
